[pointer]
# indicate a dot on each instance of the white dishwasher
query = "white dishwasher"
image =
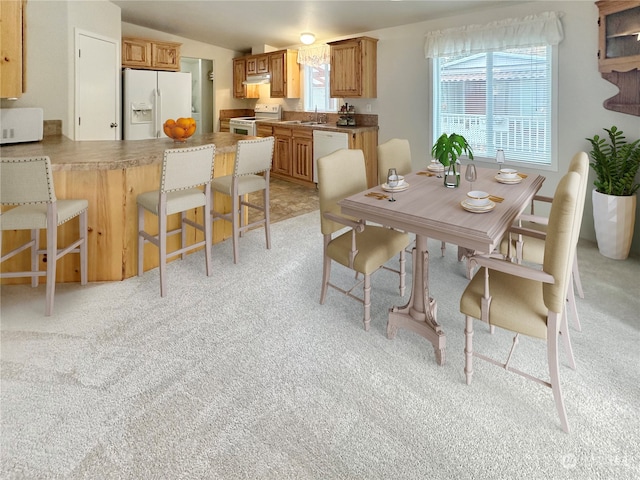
(324, 143)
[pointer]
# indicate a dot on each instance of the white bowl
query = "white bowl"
(508, 173)
(478, 198)
(398, 182)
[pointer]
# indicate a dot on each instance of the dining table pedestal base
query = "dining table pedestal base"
(419, 315)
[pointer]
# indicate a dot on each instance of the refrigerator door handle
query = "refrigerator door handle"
(158, 113)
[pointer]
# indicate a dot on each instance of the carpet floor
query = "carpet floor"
(244, 375)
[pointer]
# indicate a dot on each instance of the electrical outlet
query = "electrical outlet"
(368, 108)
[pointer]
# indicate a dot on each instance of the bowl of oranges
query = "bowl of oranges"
(179, 129)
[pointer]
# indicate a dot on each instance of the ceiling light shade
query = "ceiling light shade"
(307, 38)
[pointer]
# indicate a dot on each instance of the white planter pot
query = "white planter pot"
(614, 218)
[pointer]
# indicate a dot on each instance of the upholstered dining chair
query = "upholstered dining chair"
(526, 300)
(396, 153)
(360, 247)
(250, 174)
(184, 172)
(528, 236)
(27, 184)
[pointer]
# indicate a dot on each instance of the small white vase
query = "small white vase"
(614, 218)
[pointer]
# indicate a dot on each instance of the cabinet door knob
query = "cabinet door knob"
(114, 125)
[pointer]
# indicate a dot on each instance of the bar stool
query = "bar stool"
(27, 183)
(183, 171)
(253, 157)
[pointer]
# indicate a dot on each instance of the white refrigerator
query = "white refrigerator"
(150, 98)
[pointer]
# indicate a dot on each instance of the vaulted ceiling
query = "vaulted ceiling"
(240, 25)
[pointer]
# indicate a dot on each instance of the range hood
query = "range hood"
(257, 79)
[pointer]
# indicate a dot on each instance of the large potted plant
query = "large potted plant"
(446, 150)
(616, 164)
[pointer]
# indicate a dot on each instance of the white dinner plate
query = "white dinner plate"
(476, 208)
(400, 188)
(508, 181)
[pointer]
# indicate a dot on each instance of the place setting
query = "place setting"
(509, 176)
(479, 202)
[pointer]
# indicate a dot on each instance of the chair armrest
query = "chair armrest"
(542, 198)
(528, 232)
(356, 225)
(510, 268)
(526, 217)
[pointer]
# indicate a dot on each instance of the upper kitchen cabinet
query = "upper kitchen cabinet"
(240, 90)
(285, 74)
(12, 64)
(150, 54)
(619, 53)
(258, 65)
(618, 30)
(354, 68)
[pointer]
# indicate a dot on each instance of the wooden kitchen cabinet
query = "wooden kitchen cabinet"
(258, 65)
(283, 67)
(619, 53)
(302, 154)
(264, 130)
(282, 151)
(12, 62)
(150, 54)
(285, 74)
(240, 75)
(354, 68)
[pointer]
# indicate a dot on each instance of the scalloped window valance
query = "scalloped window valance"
(314, 55)
(532, 30)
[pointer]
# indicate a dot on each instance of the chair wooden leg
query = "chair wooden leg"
(554, 368)
(237, 217)
(208, 233)
(140, 241)
(367, 301)
(576, 277)
(564, 332)
(326, 273)
(267, 218)
(162, 249)
(35, 239)
(443, 248)
(468, 348)
(83, 247)
(52, 253)
(571, 301)
(183, 233)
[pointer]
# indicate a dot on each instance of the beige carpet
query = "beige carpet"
(244, 375)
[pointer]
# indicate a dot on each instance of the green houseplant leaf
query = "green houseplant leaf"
(448, 148)
(615, 162)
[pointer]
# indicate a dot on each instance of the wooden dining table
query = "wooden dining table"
(430, 210)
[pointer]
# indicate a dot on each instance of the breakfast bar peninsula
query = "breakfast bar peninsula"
(110, 175)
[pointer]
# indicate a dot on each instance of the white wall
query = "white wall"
(50, 53)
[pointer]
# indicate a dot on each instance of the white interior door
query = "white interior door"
(97, 90)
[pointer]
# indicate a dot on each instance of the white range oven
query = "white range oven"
(248, 125)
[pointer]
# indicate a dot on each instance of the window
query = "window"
(496, 85)
(498, 100)
(316, 89)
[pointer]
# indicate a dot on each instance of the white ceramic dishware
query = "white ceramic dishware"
(477, 198)
(508, 173)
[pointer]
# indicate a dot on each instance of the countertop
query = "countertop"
(332, 127)
(66, 154)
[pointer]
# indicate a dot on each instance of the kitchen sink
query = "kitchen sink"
(300, 122)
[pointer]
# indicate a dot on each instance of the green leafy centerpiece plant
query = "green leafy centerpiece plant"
(447, 150)
(615, 162)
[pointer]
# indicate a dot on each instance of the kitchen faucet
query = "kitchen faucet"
(316, 120)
